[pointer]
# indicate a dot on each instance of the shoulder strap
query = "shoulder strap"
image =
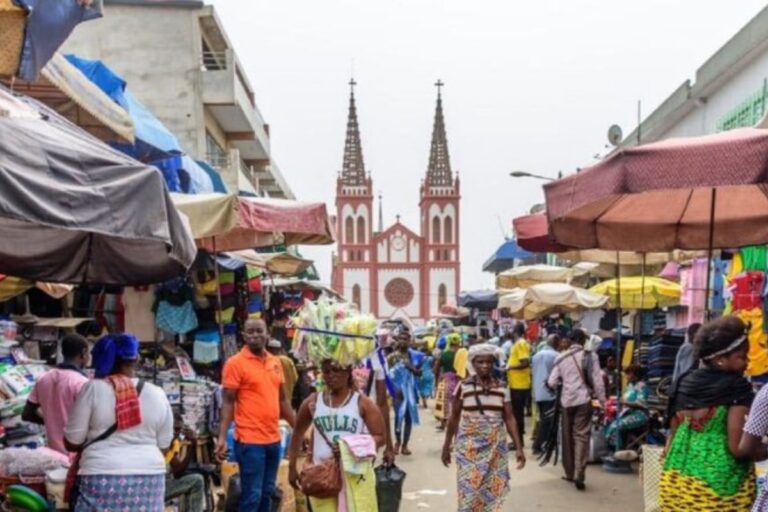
(477, 398)
(580, 368)
(113, 428)
(316, 427)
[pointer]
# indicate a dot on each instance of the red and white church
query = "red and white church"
(397, 272)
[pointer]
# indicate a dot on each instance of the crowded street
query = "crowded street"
(341, 256)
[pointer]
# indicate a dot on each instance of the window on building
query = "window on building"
(442, 295)
(361, 238)
(436, 230)
(349, 230)
(216, 155)
(448, 236)
(356, 296)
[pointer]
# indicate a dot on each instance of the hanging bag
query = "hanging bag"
(321, 480)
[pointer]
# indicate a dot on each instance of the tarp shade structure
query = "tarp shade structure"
(529, 275)
(11, 287)
(505, 257)
(548, 298)
(60, 73)
(281, 263)
(225, 222)
(640, 292)
(49, 24)
(672, 194)
(479, 299)
(215, 177)
(153, 140)
(74, 210)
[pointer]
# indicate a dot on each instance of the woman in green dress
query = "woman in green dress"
(704, 469)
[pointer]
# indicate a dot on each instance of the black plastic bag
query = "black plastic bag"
(389, 487)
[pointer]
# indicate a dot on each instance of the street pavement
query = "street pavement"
(431, 486)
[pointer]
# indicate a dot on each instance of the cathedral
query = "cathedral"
(397, 272)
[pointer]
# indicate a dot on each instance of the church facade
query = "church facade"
(398, 272)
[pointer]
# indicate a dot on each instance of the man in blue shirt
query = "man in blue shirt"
(541, 365)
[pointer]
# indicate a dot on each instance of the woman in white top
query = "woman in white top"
(338, 412)
(482, 415)
(119, 427)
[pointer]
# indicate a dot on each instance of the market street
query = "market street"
(431, 486)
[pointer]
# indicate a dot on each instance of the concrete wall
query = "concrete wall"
(158, 51)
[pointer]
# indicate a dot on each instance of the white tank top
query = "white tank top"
(335, 423)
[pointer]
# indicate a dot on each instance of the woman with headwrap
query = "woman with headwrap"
(119, 425)
(482, 416)
(445, 375)
(704, 469)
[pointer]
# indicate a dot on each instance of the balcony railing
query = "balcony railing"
(214, 61)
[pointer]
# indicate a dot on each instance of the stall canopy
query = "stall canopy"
(11, 287)
(225, 222)
(529, 275)
(479, 299)
(281, 263)
(690, 193)
(75, 210)
(547, 298)
(49, 24)
(640, 292)
(506, 257)
(532, 233)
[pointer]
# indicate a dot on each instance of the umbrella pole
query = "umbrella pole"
(707, 311)
(218, 300)
(619, 330)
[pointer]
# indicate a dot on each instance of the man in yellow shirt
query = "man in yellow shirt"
(519, 376)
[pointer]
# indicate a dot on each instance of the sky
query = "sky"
(530, 85)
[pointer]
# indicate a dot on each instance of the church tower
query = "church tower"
(440, 197)
(352, 266)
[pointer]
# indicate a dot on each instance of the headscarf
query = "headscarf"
(112, 348)
(479, 350)
(454, 339)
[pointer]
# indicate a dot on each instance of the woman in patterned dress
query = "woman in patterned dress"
(482, 415)
(704, 470)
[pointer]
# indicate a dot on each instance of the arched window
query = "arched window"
(361, 238)
(436, 230)
(448, 236)
(356, 296)
(442, 296)
(349, 230)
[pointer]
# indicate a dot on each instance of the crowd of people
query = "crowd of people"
(122, 432)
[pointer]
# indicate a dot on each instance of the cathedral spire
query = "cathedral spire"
(439, 171)
(353, 169)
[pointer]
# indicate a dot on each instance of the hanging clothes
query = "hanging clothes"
(755, 257)
(758, 341)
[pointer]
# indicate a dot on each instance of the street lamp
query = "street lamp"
(523, 174)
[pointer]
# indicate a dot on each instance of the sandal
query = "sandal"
(405, 451)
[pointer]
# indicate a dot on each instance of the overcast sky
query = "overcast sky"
(531, 85)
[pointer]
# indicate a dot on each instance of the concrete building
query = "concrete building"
(177, 59)
(729, 91)
(396, 272)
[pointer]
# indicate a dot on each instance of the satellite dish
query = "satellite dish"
(614, 135)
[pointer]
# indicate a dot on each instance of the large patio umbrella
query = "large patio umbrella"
(529, 275)
(691, 193)
(547, 298)
(74, 210)
(505, 257)
(640, 292)
(479, 299)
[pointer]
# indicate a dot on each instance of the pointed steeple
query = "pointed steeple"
(353, 169)
(439, 172)
(381, 214)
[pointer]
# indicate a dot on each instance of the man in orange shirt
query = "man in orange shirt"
(253, 396)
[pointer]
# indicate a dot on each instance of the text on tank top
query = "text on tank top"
(336, 423)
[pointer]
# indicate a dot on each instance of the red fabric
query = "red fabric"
(658, 197)
(747, 290)
(127, 407)
(254, 285)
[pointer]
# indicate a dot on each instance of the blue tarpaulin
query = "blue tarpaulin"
(213, 174)
(153, 140)
(49, 24)
(505, 257)
(182, 174)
